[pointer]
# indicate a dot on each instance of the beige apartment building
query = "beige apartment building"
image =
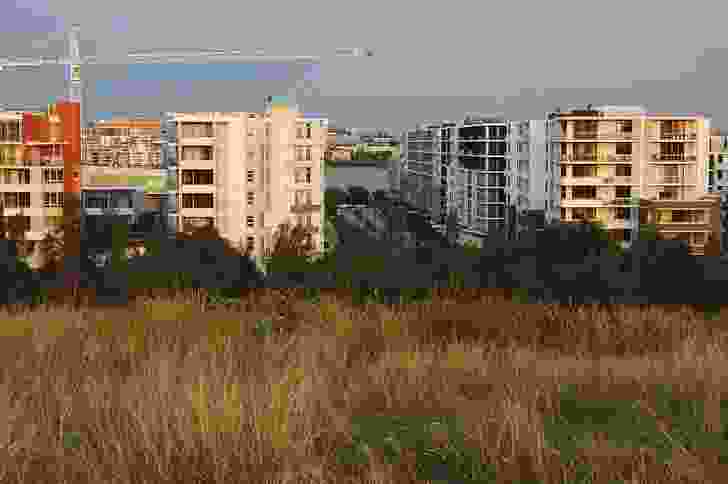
(612, 156)
(31, 170)
(246, 173)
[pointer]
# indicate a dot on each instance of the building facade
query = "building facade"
(716, 177)
(544, 171)
(696, 222)
(612, 156)
(122, 173)
(482, 170)
(247, 173)
(33, 147)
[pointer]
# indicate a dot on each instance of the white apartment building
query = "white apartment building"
(246, 173)
(544, 169)
(486, 169)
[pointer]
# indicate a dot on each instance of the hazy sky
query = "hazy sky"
(433, 60)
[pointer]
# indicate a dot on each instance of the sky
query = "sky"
(431, 60)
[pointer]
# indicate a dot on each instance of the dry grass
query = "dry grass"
(171, 391)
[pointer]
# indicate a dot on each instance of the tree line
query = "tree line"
(566, 264)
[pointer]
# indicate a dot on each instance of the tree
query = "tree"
(51, 249)
(599, 229)
(331, 238)
(649, 232)
(332, 198)
(293, 245)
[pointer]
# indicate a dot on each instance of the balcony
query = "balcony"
(303, 207)
(673, 158)
(674, 135)
(672, 180)
(594, 135)
(590, 158)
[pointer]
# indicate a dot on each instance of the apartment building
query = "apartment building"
(426, 160)
(612, 156)
(32, 149)
(696, 222)
(544, 172)
(122, 143)
(122, 173)
(716, 176)
(481, 169)
(246, 173)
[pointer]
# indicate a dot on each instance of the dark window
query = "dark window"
(623, 192)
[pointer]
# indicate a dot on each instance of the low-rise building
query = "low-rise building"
(696, 222)
(612, 156)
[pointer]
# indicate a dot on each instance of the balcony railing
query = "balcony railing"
(668, 179)
(586, 135)
(676, 135)
(597, 158)
(670, 157)
(22, 162)
(299, 207)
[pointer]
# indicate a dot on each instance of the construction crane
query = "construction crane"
(73, 61)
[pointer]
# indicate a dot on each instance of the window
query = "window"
(299, 131)
(250, 243)
(251, 199)
(251, 132)
(308, 153)
(96, 200)
(251, 176)
(584, 170)
(624, 170)
(251, 155)
(308, 132)
(584, 192)
(251, 116)
(303, 175)
(250, 220)
(197, 200)
(623, 192)
(308, 220)
(668, 193)
(196, 153)
(16, 176)
(197, 130)
(190, 223)
(197, 177)
(699, 238)
(624, 149)
(53, 200)
(303, 197)
(17, 199)
(583, 213)
(563, 170)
